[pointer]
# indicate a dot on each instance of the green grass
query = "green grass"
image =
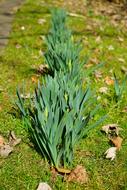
(25, 168)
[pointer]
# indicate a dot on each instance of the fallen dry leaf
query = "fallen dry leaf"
(5, 150)
(94, 61)
(41, 21)
(103, 90)
(98, 74)
(76, 15)
(53, 175)
(42, 37)
(2, 141)
(27, 96)
(117, 141)
(111, 129)
(97, 51)
(15, 9)
(88, 65)
(34, 79)
(116, 17)
(124, 110)
(18, 46)
(109, 81)
(111, 153)
(41, 53)
(124, 69)
(121, 60)
(89, 28)
(42, 69)
(63, 170)
(120, 39)
(13, 141)
(79, 175)
(98, 39)
(43, 186)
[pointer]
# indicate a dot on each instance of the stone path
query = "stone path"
(7, 9)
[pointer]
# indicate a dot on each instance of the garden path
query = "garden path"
(7, 11)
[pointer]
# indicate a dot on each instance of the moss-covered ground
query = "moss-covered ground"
(102, 40)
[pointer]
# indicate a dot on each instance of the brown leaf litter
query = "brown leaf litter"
(117, 141)
(111, 153)
(103, 90)
(7, 147)
(2, 141)
(43, 186)
(112, 130)
(109, 81)
(43, 69)
(78, 174)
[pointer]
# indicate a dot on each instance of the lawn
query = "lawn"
(103, 41)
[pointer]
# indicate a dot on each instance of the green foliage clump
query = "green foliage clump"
(119, 88)
(62, 53)
(59, 113)
(57, 119)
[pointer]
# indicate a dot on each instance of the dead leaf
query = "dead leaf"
(34, 79)
(43, 186)
(116, 17)
(79, 175)
(42, 37)
(124, 110)
(111, 153)
(111, 129)
(124, 69)
(88, 65)
(13, 141)
(76, 15)
(2, 141)
(63, 170)
(15, 9)
(53, 175)
(109, 81)
(97, 51)
(121, 60)
(103, 90)
(18, 46)
(94, 60)
(42, 69)
(98, 74)
(117, 141)
(41, 21)
(27, 96)
(98, 39)
(41, 53)
(5, 150)
(120, 39)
